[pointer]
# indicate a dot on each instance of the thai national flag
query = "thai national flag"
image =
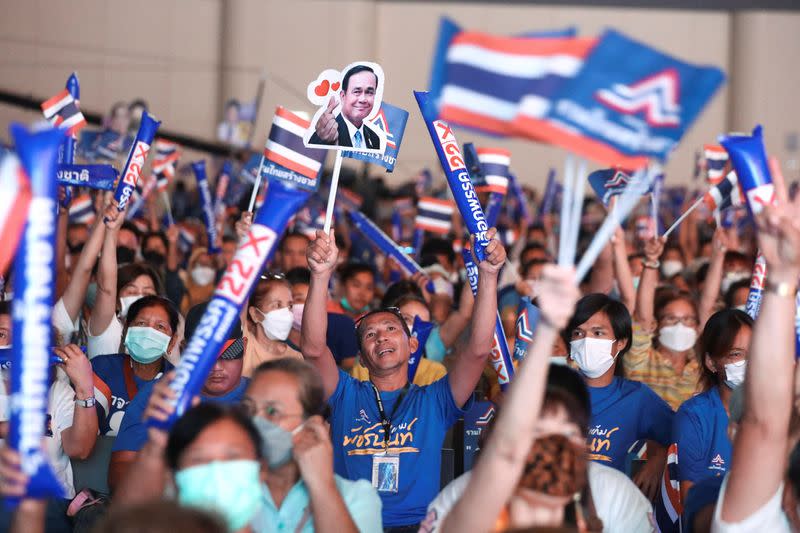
(715, 160)
(724, 194)
(62, 112)
(494, 164)
(186, 239)
(434, 215)
(668, 506)
(15, 199)
(81, 211)
(348, 199)
(285, 146)
(484, 81)
(164, 162)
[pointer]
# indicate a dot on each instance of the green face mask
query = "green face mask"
(146, 345)
(230, 488)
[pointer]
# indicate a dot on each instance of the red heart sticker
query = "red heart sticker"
(322, 89)
(335, 86)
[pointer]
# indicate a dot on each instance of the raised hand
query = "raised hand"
(654, 247)
(113, 217)
(242, 226)
(173, 234)
(495, 253)
(327, 129)
(322, 254)
(557, 292)
(779, 239)
(313, 452)
(78, 369)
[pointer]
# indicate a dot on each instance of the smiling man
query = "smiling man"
(359, 86)
(387, 430)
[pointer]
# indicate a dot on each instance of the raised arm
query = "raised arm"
(644, 313)
(457, 321)
(760, 447)
(321, 254)
(622, 270)
(469, 363)
(105, 306)
(602, 277)
(78, 440)
(75, 294)
(495, 476)
(708, 300)
(62, 278)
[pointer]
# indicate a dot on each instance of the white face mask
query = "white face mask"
(734, 373)
(278, 323)
(593, 356)
(203, 275)
(125, 304)
(678, 337)
(670, 267)
(742, 308)
(731, 278)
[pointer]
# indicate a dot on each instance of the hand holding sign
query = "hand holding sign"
(495, 253)
(322, 254)
(326, 127)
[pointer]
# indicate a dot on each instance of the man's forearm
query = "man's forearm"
(484, 314)
(315, 317)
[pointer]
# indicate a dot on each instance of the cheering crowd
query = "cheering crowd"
(647, 398)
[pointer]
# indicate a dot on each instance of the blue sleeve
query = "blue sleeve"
(655, 417)
(133, 431)
(687, 433)
(443, 399)
(343, 389)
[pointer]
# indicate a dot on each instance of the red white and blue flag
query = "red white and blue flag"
(715, 160)
(724, 194)
(285, 155)
(81, 210)
(494, 163)
(668, 506)
(434, 215)
(610, 182)
(164, 162)
(15, 199)
(62, 111)
(481, 81)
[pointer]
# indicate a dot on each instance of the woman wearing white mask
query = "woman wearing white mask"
(665, 330)
(268, 321)
(623, 411)
(701, 424)
(200, 279)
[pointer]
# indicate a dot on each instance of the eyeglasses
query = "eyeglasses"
(268, 410)
(671, 320)
(269, 276)
(393, 310)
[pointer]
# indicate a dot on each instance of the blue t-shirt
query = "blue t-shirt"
(111, 391)
(701, 431)
(133, 431)
(418, 429)
(622, 413)
(700, 495)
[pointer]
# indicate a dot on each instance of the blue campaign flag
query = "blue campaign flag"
(527, 320)
(610, 182)
(628, 103)
(100, 177)
(391, 120)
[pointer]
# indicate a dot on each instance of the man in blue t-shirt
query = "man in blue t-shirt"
(387, 430)
(224, 384)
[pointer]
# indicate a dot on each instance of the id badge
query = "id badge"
(386, 472)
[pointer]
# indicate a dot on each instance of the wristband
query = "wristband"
(651, 264)
(88, 402)
(783, 289)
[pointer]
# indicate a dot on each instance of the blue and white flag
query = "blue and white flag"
(610, 182)
(392, 120)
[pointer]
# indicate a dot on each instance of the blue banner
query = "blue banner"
(207, 205)
(628, 103)
(479, 415)
(421, 331)
(34, 286)
(391, 120)
(129, 176)
(101, 177)
(527, 320)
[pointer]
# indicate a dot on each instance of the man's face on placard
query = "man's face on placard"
(359, 96)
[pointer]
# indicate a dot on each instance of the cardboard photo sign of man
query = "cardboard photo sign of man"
(348, 102)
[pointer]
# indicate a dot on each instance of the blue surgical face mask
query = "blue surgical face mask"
(230, 488)
(146, 345)
(276, 442)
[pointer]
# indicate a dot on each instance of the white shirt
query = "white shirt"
(107, 342)
(619, 503)
(769, 518)
(63, 324)
(60, 411)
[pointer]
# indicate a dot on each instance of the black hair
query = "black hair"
(155, 235)
(290, 235)
(194, 421)
(312, 392)
(741, 284)
(355, 70)
(438, 246)
(733, 255)
(159, 516)
(138, 102)
(233, 102)
(387, 310)
(616, 312)
(129, 272)
(299, 275)
(5, 307)
(399, 290)
(350, 270)
(532, 263)
(531, 247)
(130, 226)
(229, 238)
(153, 300)
(717, 340)
(567, 388)
(667, 295)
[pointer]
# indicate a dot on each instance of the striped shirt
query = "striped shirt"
(646, 364)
